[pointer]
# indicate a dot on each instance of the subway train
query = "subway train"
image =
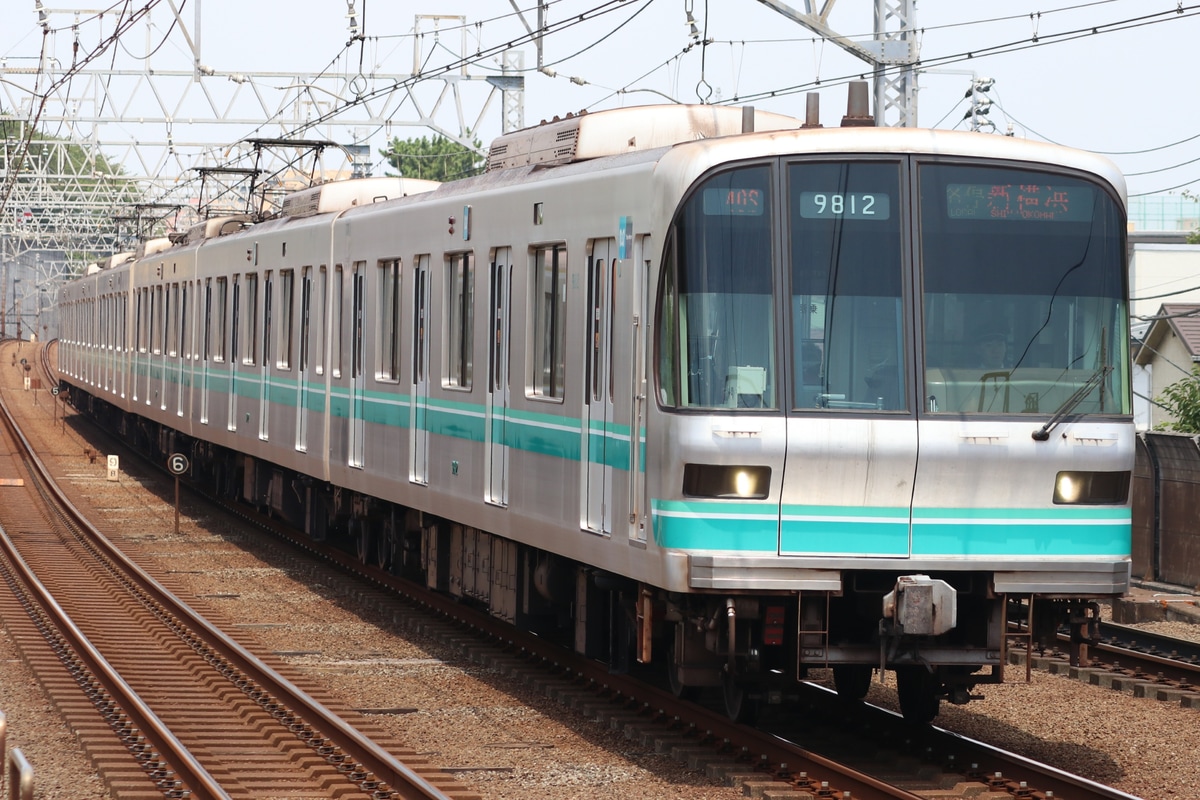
(711, 389)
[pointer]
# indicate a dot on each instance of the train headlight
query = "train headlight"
(726, 482)
(1091, 488)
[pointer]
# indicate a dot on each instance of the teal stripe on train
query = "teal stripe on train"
(1058, 531)
(700, 525)
(543, 434)
(882, 532)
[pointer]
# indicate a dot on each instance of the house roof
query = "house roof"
(1181, 318)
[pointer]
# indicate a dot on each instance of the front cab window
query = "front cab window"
(716, 322)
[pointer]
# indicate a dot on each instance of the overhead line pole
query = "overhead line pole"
(892, 53)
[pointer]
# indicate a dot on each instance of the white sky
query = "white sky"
(1130, 86)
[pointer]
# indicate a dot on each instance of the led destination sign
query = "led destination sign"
(1022, 202)
(734, 202)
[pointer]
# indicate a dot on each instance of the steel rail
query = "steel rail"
(403, 781)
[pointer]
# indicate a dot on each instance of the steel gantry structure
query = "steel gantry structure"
(100, 182)
(892, 54)
(96, 158)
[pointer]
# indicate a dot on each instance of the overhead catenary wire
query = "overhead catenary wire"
(18, 157)
(482, 55)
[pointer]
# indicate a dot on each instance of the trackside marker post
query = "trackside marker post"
(178, 465)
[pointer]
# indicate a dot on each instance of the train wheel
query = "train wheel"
(916, 688)
(852, 681)
(679, 689)
(361, 533)
(385, 545)
(739, 705)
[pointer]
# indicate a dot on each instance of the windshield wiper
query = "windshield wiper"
(1043, 433)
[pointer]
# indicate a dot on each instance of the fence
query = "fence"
(1166, 509)
(20, 774)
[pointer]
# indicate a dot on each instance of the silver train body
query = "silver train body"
(678, 392)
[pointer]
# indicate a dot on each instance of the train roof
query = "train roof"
(616, 135)
(584, 136)
(341, 195)
(702, 155)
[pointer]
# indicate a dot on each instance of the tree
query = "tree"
(1194, 236)
(1182, 401)
(57, 194)
(436, 159)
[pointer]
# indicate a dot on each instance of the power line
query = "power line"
(1036, 41)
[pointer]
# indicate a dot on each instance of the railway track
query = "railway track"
(820, 745)
(169, 705)
(800, 752)
(1130, 660)
(819, 750)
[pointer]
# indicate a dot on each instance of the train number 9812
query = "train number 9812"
(852, 205)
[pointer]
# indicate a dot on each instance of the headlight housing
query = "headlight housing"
(726, 482)
(1074, 487)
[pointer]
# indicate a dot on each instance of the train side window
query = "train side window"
(388, 344)
(139, 321)
(460, 294)
(171, 321)
(322, 319)
(185, 340)
(287, 293)
(420, 311)
(250, 320)
(235, 320)
(156, 302)
(206, 344)
(339, 321)
(268, 316)
(220, 330)
(359, 298)
(549, 304)
(305, 316)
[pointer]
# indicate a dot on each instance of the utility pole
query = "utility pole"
(892, 53)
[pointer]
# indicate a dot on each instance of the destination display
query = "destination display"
(1022, 202)
(734, 202)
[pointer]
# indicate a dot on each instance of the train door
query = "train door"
(852, 433)
(186, 365)
(596, 444)
(302, 387)
(234, 354)
(163, 330)
(639, 291)
(496, 408)
(418, 440)
(205, 349)
(264, 385)
(357, 422)
(139, 334)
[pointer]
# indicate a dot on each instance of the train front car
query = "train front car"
(893, 380)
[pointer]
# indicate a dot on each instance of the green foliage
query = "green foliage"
(1182, 400)
(73, 159)
(436, 159)
(1194, 237)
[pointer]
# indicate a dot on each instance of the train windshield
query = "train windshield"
(845, 264)
(718, 304)
(1023, 287)
(1020, 307)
